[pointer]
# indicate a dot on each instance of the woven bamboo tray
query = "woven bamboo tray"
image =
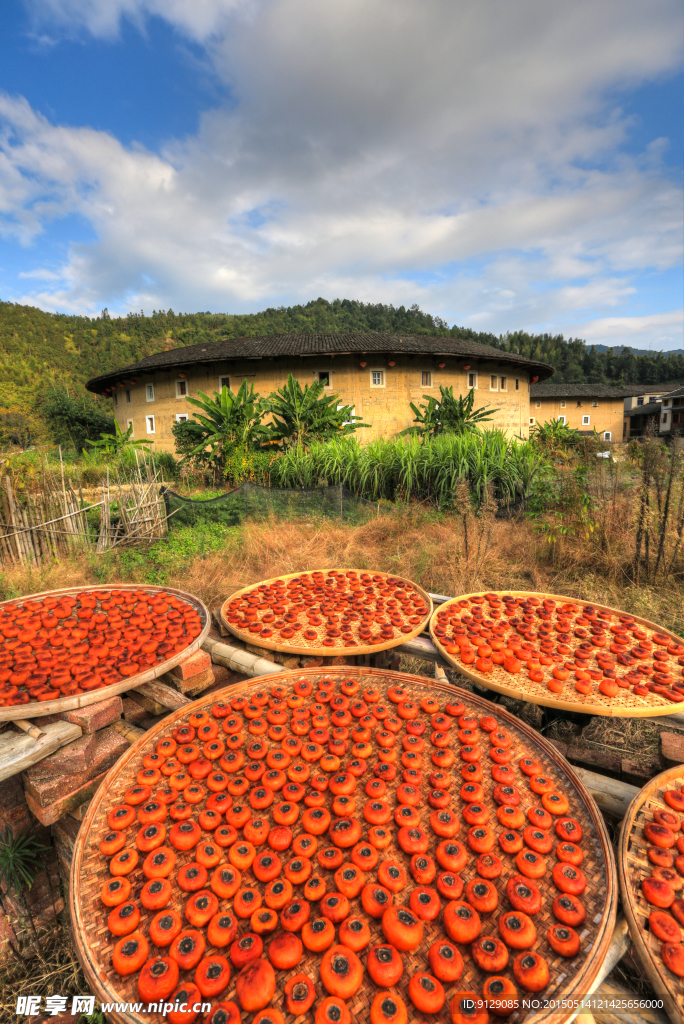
(339, 648)
(633, 866)
(569, 978)
(38, 709)
(625, 704)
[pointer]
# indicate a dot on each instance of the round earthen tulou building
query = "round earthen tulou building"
(377, 374)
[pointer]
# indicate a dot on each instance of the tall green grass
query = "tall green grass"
(420, 470)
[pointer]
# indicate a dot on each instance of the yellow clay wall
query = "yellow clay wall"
(385, 407)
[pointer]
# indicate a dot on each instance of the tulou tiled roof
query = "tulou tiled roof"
(276, 346)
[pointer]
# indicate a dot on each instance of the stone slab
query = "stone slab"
(195, 665)
(95, 716)
(53, 812)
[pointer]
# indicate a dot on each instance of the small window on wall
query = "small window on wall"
(472, 380)
(352, 414)
(503, 383)
(607, 435)
(594, 404)
(128, 397)
(537, 405)
(324, 378)
(563, 404)
(116, 398)
(181, 388)
(149, 420)
(377, 378)
(492, 382)
(532, 421)
(426, 379)
(640, 401)
(664, 419)
(181, 417)
(224, 382)
(586, 421)
(129, 426)
(149, 392)
(517, 383)
(561, 419)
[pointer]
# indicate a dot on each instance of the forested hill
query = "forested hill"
(43, 353)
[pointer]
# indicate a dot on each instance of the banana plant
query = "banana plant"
(225, 422)
(114, 444)
(302, 415)
(449, 415)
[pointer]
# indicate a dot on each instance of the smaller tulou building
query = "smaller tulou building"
(584, 407)
(377, 374)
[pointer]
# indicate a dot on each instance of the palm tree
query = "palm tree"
(449, 415)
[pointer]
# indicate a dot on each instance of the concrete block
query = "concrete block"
(95, 716)
(672, 747)
(195, 665)
(133, 712)
(51, 813)
(53, 777)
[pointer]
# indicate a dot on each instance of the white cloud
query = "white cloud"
(459, 155)
(658, 331)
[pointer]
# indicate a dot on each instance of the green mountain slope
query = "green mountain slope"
(43, 354)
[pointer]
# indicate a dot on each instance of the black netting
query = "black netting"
(251, 501)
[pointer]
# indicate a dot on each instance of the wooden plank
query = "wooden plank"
(131, 733)
(612, 796)
(19, 751)
(162, 694)
(421, 647)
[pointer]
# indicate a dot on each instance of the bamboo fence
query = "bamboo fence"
(46, 520)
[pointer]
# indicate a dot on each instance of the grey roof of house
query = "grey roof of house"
(676, 394)
(551, 390)
(278, 345)
(645, 410)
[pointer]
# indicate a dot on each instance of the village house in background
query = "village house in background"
(377, 374)
(653, 404)
(583, 407)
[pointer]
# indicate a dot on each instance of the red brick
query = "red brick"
(672, 746)
(53, 777)
(51, 813)
(95, 716)
(134, 712)
(195, 665)
(193, 684)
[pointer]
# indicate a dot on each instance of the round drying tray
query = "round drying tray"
(37, 709)
(625, 703)
(569, 978)
(633, 867)
(351, 642)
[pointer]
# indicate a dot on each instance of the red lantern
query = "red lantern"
(441, 365)
(181, 375)
(534, 380)
(362, 365)
(466, 367)
(391, 363)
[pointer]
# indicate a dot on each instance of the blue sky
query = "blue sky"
(505, 166)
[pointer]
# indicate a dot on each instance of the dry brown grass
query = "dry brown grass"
(421, 546)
